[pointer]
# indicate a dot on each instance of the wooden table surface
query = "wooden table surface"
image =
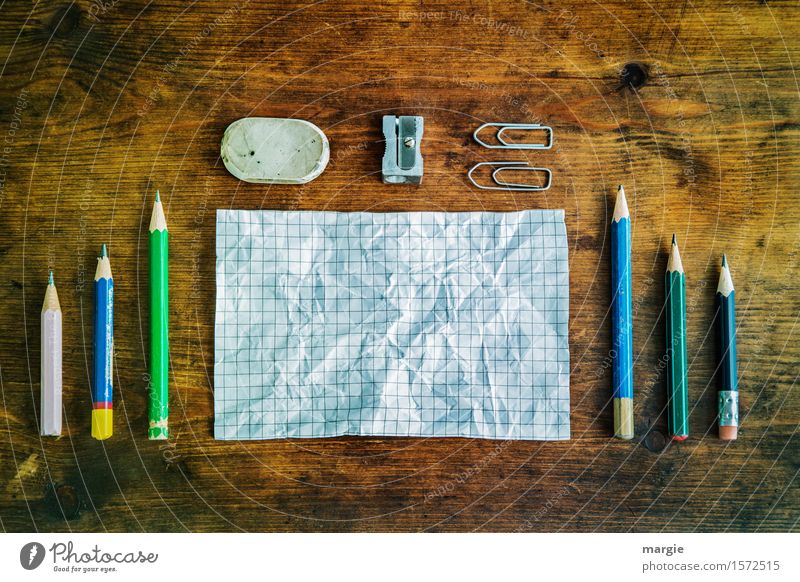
(692, 105)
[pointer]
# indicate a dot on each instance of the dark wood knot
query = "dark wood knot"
(63, 501)
(634, 75)
(655, 441)
(65, 20)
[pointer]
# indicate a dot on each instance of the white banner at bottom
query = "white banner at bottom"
(399, 557)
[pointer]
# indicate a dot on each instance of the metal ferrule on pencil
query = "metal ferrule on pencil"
(728, 404)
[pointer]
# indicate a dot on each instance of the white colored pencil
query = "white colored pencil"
(51, 385)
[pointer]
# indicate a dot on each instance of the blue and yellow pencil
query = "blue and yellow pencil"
(622, 318)
(102, 390)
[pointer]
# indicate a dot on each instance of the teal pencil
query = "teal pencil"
(677, 369)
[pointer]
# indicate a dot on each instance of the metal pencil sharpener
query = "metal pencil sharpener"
(402, 160)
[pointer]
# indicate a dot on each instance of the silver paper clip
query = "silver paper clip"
(504, 185)
(505, 145)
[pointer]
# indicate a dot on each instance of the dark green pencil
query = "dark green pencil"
(677, 370)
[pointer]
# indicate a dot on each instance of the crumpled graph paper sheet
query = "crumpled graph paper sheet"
(421, 324)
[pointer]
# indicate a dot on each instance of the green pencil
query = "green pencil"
(159, 324)
(677, 372)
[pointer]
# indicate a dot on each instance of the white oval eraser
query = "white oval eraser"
(272, 150)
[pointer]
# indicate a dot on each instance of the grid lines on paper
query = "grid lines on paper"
(392, 324)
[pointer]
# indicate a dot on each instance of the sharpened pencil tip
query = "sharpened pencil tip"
(157, 220)
(725, 286)
(103, 251)
(50, 280)
(674, 263)
(620, 206)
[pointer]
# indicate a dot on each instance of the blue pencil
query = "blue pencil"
(102, 389)
(622, 318)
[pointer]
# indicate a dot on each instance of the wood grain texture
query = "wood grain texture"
(102, 103)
